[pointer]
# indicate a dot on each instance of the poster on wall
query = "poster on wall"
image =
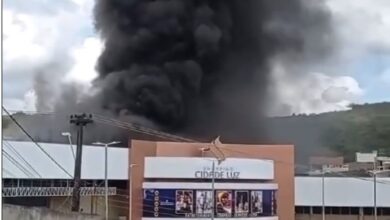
(257, 202)
(204, 203)
(188, 203)
(241, 203)
(223, 205)
(184, 202)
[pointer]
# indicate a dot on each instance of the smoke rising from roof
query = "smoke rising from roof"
(201, 67)
(197, 68)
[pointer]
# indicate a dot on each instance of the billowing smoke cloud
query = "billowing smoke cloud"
(197, 68)
(201, 67)
(47, 81)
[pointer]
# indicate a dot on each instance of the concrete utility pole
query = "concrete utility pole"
(374, 176)
(106, 171)
(323, 193)
(215, 145)
(80, 121)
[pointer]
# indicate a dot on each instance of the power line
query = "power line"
(17, 164)
(144, 130)
(9, 145)
(156, 133)
(31, 112)
(39, 146)
(137, 127)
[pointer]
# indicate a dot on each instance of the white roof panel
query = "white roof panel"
(341, 191)
(92, 161)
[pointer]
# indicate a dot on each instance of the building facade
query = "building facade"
(31, 179)
(176, 181)
(349, 198)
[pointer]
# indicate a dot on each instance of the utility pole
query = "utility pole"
(215, 144)
(213, 188)
(80, 121)
(106, 171)
(374, 176)
(323, 193)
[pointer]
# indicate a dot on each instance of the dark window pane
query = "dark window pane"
(306, 210)
(298, 210)
(354, 211)
(317, 210)
(335, 210)
(368, 211)
(385, 211)
(345, 210)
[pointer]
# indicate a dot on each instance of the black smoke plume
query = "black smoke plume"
(196, 68)
(199, 67)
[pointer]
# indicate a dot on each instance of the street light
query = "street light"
(131, 189)
(106, 170)
(374, 174)
(205, 149)
(67, 134)
(323, 193)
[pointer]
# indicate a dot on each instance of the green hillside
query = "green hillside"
(363, 128)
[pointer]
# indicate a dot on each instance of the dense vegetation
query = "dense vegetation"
(364, 128)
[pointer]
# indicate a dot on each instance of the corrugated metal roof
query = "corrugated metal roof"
(341, 191)
(92, 161)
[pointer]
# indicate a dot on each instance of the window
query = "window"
(302, 210)
(298, 210)
(384, 211)
(354, 211)
(345, 210)
(317, 210)
(368, 211)
(335, 210)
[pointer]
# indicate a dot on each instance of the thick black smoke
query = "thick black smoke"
(199, 66)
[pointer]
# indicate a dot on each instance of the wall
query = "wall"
(12, 212)
(342, 191)
(139, 150)
(93, 205)
(283, 156)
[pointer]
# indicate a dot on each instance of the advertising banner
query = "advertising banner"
(185, 203)
(241, 203)
(204, 203)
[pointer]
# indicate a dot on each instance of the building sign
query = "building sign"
(220, 172)
(185, 203)
(201, 168)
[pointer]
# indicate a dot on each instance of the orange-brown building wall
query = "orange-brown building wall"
(283, 156)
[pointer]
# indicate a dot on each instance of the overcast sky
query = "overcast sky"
(56, 38)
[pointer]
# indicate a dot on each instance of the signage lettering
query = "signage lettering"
(219, 173)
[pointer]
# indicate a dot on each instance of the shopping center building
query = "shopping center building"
(174, 180)
(186, 180)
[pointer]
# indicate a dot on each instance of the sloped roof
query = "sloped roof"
(92, 161)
